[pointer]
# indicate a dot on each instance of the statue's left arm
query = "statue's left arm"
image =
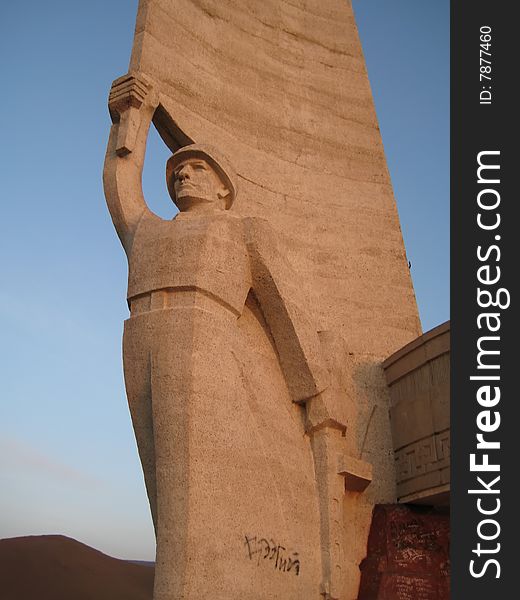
(132, 103)
(278, 290)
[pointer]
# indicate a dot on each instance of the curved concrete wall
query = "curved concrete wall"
(419, 380)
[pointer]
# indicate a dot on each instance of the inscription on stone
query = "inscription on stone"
(412, 588)
(408, 555)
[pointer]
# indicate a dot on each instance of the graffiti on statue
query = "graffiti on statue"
(261, 549)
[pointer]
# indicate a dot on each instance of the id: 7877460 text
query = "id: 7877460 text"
(485, 64)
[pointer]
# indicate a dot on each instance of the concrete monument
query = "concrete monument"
(258, 320)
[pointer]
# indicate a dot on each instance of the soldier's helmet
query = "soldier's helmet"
(213, 157)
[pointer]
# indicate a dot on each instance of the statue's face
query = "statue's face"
(197, 185)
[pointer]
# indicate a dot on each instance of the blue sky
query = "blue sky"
(68, 461)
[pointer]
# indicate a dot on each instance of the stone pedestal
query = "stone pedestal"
(408, 555)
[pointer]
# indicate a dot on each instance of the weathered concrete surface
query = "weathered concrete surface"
(408, 555)
(281, 89)
(419, 379)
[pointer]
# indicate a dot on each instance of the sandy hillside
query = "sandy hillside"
(54, 567)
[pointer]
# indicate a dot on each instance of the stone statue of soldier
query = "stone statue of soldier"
(220, 361)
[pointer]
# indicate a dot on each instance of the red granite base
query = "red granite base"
(408, 555)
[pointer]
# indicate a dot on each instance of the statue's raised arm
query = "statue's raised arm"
(132, 103)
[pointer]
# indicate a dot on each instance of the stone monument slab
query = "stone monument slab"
(260, 315)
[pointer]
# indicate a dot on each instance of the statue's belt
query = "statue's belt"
(179, 297)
